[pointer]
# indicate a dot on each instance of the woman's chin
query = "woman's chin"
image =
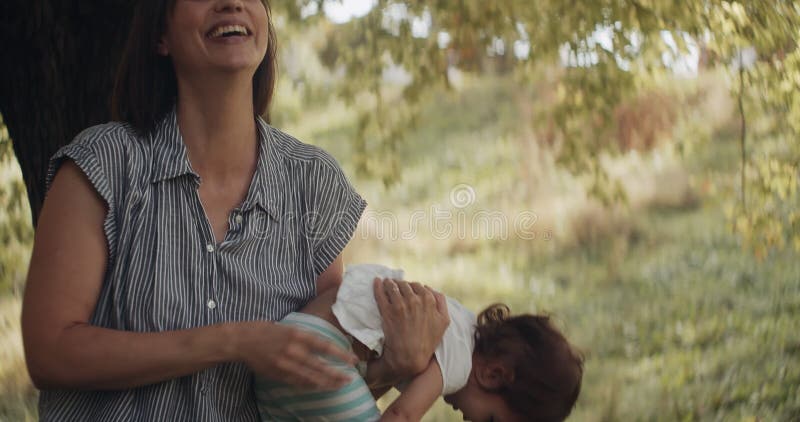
(236, 66)
(235, 61)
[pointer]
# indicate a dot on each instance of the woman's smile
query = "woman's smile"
(229, 30)
(229, 34)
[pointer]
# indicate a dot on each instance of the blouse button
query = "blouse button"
(210, 247)
(238, 219)
(211, 304)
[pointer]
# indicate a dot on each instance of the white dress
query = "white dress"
(357, 312)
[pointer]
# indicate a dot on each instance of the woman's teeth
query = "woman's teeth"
(228, 30)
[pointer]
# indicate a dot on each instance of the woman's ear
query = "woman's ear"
(491, 374)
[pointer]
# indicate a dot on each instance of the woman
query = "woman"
(168, 243)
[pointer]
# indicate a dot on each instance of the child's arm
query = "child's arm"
(418, 397)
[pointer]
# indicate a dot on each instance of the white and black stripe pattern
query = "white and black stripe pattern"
(165, 268)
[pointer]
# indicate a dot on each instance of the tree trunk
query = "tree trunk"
(59, 60)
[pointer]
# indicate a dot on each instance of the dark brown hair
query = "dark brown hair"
(146, 86)
(544, 371)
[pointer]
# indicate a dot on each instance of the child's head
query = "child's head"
(523, 369)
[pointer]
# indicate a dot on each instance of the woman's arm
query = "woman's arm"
(63, 350)
(331, 277)
(418, 397)
(414, 319)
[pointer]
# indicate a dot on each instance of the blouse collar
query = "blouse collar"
(171, 161)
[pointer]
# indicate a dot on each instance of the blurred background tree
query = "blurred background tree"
(603, 53)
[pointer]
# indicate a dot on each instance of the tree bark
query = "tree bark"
(60, 58)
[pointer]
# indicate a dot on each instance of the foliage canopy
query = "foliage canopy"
(605, 52)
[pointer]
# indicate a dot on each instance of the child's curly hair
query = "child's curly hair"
(544, 371)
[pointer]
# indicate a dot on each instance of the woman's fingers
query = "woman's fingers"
(414, 319)
(296, 357)
(323, 347)
(390, 301)
(380, 293)
(405, 289)
(302, 343)
(425, 293)
(441, 302)
(418, 288)
(396, 298)
(298, 375)
(312, 372)
(323, 374)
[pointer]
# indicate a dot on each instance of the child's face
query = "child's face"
(480, 406)
(475, 402)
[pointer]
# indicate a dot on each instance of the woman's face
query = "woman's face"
(216, 35)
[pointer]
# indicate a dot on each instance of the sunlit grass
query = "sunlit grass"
(17, 395)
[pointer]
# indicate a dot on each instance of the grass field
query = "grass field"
(677, 321)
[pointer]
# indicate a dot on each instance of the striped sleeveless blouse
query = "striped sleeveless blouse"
(167, 272)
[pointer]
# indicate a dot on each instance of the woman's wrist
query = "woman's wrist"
(233, 336)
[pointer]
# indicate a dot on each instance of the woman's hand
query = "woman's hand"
(414, 321)
(290, 355)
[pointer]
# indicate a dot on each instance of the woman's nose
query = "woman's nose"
(229, 6)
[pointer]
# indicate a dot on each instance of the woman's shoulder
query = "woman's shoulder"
(295, 150)
(115, 146)
(107, 153)
(105, 136)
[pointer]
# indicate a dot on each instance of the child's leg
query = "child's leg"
(279, 402)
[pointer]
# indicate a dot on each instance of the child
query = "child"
(495, 367)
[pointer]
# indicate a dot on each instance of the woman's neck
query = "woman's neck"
(216, 121)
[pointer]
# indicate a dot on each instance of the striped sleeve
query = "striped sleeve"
(97, 154)
(334, 210)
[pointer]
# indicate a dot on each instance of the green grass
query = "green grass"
(690, 327)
